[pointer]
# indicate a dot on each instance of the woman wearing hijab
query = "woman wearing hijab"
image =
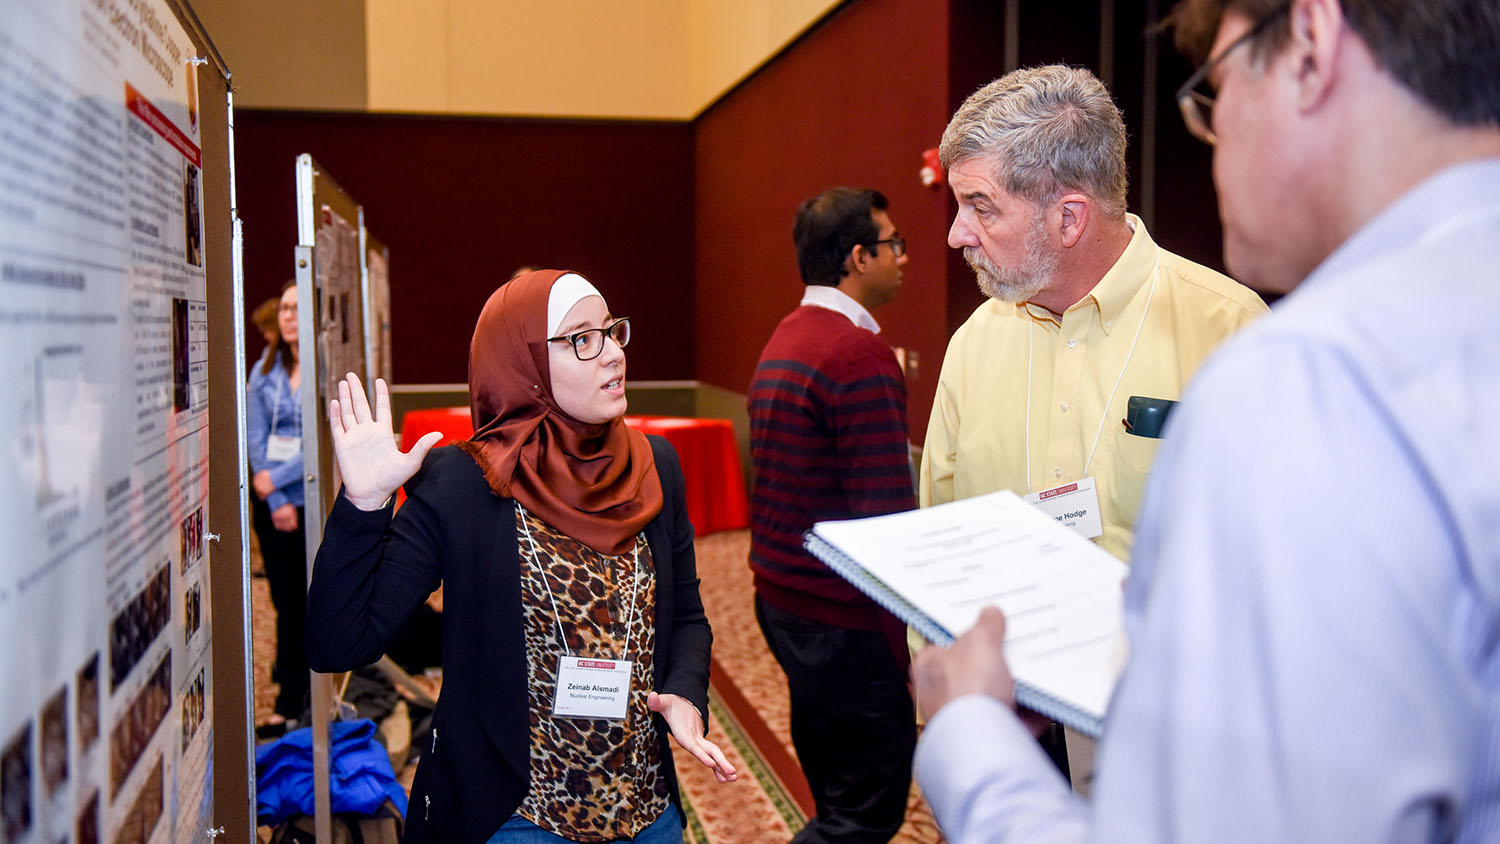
(574, 639)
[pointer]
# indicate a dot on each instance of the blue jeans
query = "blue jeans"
(666, 829)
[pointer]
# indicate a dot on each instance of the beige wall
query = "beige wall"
(648, 59)
(728, 40)
(291, 53)
(597, 58)
(399, 33)
(655, 59)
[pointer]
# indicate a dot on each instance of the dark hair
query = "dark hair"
(831, 224)
(1442, 51)
(264, 315)
(279, 349)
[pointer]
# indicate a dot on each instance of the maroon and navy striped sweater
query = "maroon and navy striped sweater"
(828, 440)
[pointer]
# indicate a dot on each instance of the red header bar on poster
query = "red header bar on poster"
(151, 116)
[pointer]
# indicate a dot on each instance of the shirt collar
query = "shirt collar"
(834, 299)
(1132, 270)
(1446, 199)
(1119, 286)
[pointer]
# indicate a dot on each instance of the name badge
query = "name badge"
(279, 448)
(592, 688)
(1074, 504)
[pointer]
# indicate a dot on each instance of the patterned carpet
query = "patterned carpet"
(748, 715)
(746, 673)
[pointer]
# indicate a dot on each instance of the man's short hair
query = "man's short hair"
(1049, 130)
(1443, 51)
(829, 225)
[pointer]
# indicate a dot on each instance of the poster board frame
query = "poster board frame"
(331, 341)
(138, 283)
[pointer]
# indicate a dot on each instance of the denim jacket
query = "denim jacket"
(273, 408)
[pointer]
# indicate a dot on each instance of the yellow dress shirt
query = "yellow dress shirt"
(1153, 317)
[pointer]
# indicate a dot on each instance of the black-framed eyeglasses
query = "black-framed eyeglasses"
(897, 242)
(589, 343)
(1197, 106)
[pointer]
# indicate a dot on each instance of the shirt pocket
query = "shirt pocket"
(1133, 456)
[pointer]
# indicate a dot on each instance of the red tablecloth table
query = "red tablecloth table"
(715, 485)
(453, 422)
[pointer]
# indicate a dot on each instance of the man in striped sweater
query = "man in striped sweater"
(828, 440)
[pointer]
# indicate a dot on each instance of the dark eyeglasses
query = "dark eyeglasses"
(589, 343)
(1196, 106)
(897, 242)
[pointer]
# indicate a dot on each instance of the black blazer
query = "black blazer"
(372, 570)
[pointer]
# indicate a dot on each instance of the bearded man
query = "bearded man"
(1056, 387)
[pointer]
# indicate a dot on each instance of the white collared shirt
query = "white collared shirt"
(834, 299)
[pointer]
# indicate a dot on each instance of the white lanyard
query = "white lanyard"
(276, 408)
(1104, 414)
(280, 449)
(635, 583)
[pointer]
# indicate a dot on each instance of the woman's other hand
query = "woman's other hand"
(263, 484)
(284, 518)
(373, 468)
(687, 728)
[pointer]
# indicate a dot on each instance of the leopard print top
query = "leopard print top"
(591, 780)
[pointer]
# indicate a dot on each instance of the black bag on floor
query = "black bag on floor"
(383, 827)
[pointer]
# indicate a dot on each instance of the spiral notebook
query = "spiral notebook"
(936, 568)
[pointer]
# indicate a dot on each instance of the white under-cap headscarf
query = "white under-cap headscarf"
(566, 292)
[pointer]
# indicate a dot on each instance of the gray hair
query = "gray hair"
(1048, 129)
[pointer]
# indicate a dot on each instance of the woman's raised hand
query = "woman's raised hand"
(373, 468)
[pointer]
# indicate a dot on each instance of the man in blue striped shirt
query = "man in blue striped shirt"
(1314, 599)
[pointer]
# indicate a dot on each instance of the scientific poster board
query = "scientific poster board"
(334, 273)
(330, 275)
(115, 243)
(378, 313)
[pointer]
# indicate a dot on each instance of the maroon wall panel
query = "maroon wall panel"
(853, 102)
(461, 202)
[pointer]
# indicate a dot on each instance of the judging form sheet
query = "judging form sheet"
(1060, 593)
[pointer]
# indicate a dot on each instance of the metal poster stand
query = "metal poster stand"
(343, 327)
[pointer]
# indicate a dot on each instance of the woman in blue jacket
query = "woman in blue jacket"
(274, 423)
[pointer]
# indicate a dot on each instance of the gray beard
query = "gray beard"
(1018, 284)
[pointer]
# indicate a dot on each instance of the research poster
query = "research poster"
(341, 328)
(104, 610)
(340, 313)
(377, 270)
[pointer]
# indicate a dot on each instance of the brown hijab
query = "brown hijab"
(595, 483)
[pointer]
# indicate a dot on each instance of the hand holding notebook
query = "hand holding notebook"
(973, 664)
(937, 568)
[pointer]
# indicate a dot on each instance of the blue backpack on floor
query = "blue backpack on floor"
(360, 775)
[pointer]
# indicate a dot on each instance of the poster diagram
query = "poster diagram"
(103, 445)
